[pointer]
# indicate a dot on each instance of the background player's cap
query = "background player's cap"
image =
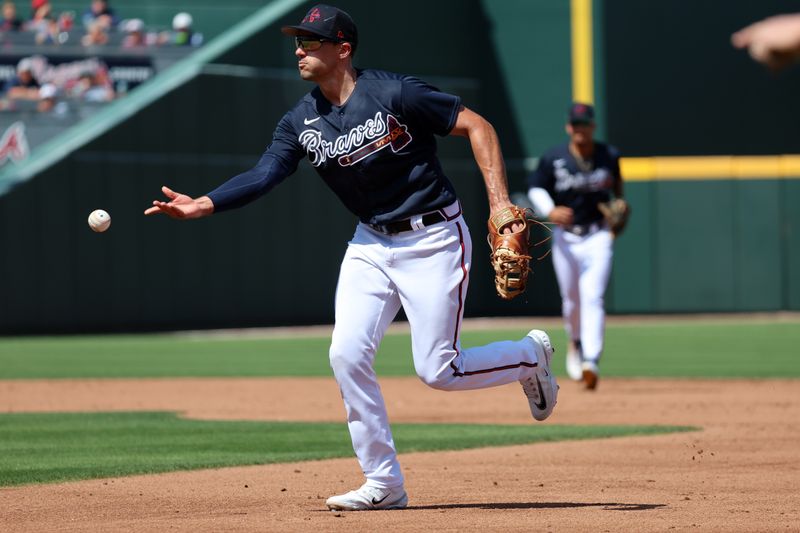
(581, 113)
(328, 22)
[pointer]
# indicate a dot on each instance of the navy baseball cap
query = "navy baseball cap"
(581, 113)
(328, 22)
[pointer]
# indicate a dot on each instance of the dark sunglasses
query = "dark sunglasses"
(309, 44)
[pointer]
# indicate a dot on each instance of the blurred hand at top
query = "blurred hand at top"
(774, 41)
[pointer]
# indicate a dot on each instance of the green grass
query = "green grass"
(703, 351)
(653, 350)
(54, 447)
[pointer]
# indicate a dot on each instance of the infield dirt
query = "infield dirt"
(740, 472)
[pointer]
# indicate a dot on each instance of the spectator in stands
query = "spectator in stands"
(99, 11)
(36, 5)
(66, 20)
(24, 86)
(134, 34)
(95, 35)
(49, 101)
(182, 33)
(10, 21)
(41, 11)
(48, 32)
(47, 98)
(94, 87)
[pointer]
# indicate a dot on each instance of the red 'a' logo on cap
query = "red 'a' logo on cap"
(340, 34)
(13, 144)
(313, 15)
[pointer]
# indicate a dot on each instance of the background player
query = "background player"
(370, 136)
(569, 182)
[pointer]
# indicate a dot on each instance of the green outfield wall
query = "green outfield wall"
(699, 246)
(696, 242)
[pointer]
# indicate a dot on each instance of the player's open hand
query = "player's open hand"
(181, 206)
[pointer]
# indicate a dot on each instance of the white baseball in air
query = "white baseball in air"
(99, 220)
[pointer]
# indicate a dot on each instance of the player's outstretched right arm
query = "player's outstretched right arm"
(181, 206)
(236, 192)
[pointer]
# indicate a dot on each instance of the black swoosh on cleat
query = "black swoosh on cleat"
(376, 502)
(543, 403)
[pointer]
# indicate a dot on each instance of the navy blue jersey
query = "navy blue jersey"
(377, 152)
(571, 186)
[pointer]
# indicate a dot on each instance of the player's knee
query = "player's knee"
(345, 360)
(340, 360)
(595, 300)
(434, 382)
(439, 379)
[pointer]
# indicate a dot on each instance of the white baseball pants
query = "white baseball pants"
(426, 272)
(583, 265)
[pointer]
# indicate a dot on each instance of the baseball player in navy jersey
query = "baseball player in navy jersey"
(566, 188)
(370, 136)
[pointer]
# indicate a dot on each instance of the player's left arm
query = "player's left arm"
(486, 149)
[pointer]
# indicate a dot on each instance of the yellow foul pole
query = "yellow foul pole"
(582, 51)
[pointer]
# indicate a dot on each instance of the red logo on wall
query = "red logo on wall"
(13, 144)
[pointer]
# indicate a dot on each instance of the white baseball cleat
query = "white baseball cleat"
(541, 388)
(574, 369)
(368, 499)
(590, 373)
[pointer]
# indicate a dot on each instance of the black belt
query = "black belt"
(400, 226)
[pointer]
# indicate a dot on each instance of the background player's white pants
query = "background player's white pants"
(426, 272)
(583, 265)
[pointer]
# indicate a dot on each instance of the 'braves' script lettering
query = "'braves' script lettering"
(319, 149)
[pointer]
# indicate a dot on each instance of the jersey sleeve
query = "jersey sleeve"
(425, 104)
(278, 162)
(542, 177)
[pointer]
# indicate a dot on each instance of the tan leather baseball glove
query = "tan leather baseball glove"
(616, 212)
(509, 255)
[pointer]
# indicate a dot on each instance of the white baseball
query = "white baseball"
(99, 220)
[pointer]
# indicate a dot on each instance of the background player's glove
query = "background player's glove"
(616, 212)
(509, 256)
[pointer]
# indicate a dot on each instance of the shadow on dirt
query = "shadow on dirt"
(544, 505)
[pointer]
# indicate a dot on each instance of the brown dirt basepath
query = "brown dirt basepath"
(741, 472)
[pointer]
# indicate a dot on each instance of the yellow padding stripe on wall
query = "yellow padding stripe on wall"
(710, 167)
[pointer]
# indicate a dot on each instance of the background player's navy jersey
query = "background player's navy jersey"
(559, 174)
(377, 152)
